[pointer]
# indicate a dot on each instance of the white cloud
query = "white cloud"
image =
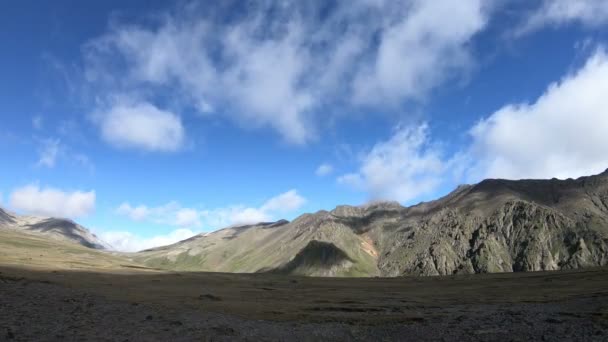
(278, 63)
(420, 49)
(591, 13)
(171, 213)
(234, 215)
(52, 202)
(138, 213)
(562, 134)
(141, 125)
(285, 202)
(324, 170)
(128, 242)
(174, 214)
(49, 152)
(187, 218)
(270, 210)
(402, 168)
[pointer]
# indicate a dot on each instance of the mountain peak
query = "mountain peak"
(382, 205)
(6, 217)
(362, 210)
(56, 228)
(454, 234)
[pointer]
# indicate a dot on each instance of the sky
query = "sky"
(151, 121)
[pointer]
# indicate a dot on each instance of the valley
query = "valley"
(146, 305)
(498, 260)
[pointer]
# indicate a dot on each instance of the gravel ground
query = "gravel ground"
(43, 311)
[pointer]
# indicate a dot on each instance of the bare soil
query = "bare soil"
(39, 304)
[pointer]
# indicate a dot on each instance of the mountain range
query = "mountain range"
(493, 226)
(52, 228)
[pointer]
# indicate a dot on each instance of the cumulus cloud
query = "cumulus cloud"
(417, 52)
(234, 216)
(278, 63)
(174, 214)
(402, 168)
(32, 199)
(590, 13)
(141, 125)
(171, 213)
(187, 218)
(128, 242)
(284, 202)
(138, 213)
(270, 210)
(324, 170)
(562, 134)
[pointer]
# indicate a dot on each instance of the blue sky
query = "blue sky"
(149, 122)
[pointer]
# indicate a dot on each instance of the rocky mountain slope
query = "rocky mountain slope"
(53, 228)
(493, 226)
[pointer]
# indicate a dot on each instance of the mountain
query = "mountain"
(269, 247)
(54, 228)
(493, 226)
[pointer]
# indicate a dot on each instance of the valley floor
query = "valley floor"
(145, 305)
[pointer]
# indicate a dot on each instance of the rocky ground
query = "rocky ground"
(42, 310)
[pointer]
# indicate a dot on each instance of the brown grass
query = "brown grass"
(273, 297)
(277, 297)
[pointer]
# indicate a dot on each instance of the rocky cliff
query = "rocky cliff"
(493, 226)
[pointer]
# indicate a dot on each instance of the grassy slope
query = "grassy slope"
(277, 297)
(21, 248)
(260, 248)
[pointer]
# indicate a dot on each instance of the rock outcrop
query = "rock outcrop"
(493, 226)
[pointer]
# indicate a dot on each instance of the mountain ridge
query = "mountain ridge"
(493, 226)
(55, 228)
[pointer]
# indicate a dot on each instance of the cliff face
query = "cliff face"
(502, 226)
(518, 236)
(493, 226)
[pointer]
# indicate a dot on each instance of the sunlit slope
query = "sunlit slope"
(35, 250)
(492, 226)
(266, 247)
(53, 228)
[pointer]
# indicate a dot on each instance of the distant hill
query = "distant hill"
(493, 226)
(53, 228)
